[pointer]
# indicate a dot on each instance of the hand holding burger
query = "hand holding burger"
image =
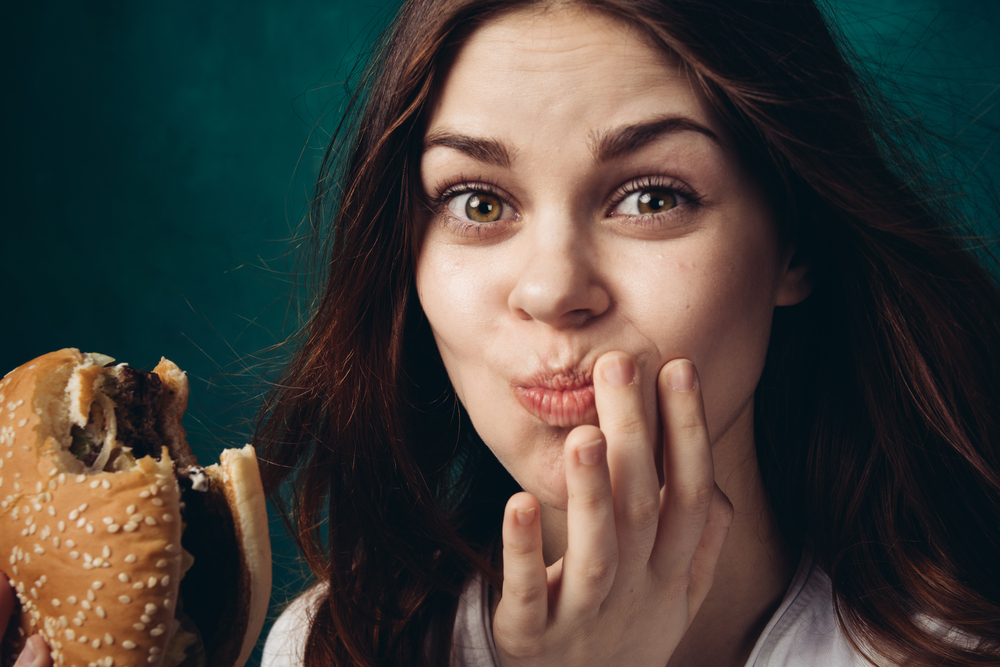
(120, 548)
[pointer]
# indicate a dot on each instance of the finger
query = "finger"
(523, 609)
(34, 654)
(706, 556)
(688, 475)
(618, 394)
(591, 543)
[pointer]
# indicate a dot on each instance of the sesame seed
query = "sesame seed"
(80, 522)
(108, 520)
(168, 518)
(55, 541)
(106, 484)
(39, 550)
(103, 614)
(70, 543)
(80, 478)
(72, 600)
(88, 566)
(70, 635)
(150, 521)
(138, 516)
(154, 649)
(130, 509)
(106, 551)
(129, 644)
(114, 528)
(56, 602)
(158, 502)
(98, 561)
(90, 528)
(144, 494)
(138, 585)
(163, 562)
(97, 585)
(61, 526)
(145, 618)
(130, 527)
(77, 622)
(86, 605)
(34, 593)
(130, 558)
(108, 639)
(46, 531)
(156, 632)
(51, 510)
(151, 582)
(87, 557)
(150, 608)
(124, 578)
(91, 596)
(139, 626)
(95, 484)
(61, 477)
(124, 599)
(165, 581)
(170, 548)
(96, 643)
(82, 639)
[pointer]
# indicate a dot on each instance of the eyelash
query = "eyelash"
(439, 201)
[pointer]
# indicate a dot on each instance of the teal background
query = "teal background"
(157, 160)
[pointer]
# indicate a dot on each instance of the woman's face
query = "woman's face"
(584, 199)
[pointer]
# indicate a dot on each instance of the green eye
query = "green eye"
(655, 201)
(483, 207)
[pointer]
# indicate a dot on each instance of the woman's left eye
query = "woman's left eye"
(479, 206)
(648, 201)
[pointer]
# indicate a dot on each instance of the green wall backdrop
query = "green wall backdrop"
(157, 158)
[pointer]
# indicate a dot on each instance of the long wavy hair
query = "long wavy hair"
(876, 418)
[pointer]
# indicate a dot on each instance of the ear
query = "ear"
(795, 283)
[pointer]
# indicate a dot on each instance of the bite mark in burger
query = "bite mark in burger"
(122, 549)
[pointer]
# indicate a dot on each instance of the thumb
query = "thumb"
(35, 653)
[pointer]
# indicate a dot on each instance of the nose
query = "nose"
(559, 283)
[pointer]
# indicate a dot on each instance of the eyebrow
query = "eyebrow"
(604, 145)
(630, 138)
(490, 151)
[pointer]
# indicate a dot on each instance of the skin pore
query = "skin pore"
(588, 220)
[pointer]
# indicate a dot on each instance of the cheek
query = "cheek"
(712, 303)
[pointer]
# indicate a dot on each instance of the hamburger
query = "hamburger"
(122, 550)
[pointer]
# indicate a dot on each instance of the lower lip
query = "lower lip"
(560, 407)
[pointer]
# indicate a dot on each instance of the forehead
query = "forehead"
(559, 65)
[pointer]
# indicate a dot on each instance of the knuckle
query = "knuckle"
(599, 572)
(589, 502)
(641, 512)
(522, 594)
(693, 499)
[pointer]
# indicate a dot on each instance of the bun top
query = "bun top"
(94, 555)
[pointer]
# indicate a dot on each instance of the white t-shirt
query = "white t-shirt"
(803, 632)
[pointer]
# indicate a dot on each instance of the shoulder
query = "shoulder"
(804, 631)
(286, 642)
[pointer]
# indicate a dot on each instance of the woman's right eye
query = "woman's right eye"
(479, 206)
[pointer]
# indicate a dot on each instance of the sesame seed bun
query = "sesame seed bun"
(96, 549)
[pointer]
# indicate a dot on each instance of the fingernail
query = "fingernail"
(525, 517)
(618, 372)
(591, 453)
(681, 376)
(28, 655)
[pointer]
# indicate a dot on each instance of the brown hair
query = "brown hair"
(876, 415)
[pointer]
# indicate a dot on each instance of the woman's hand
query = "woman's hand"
(639, 559)
(36, 652)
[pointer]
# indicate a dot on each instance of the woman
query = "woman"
(654, 277)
